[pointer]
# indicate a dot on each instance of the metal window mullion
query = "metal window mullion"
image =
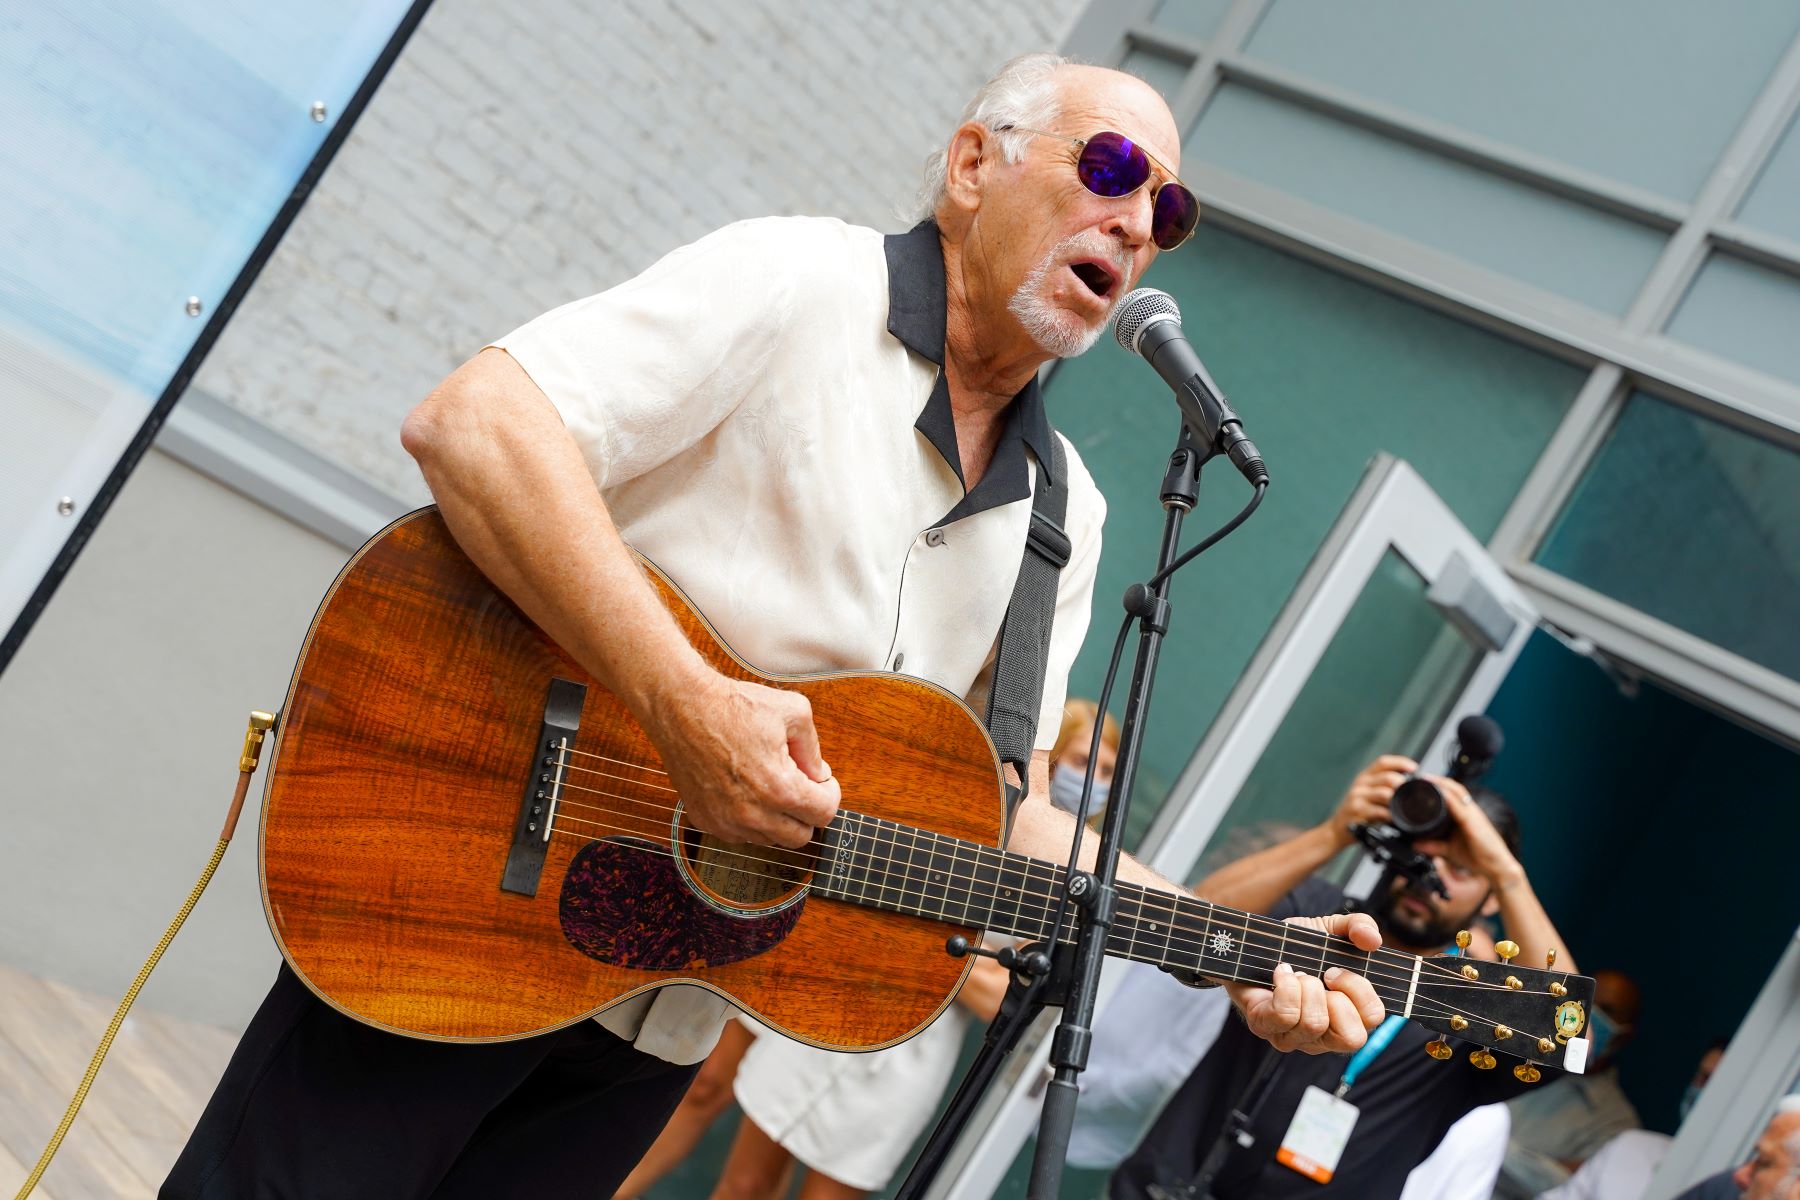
(1486, 154)
(1726, 185)
(1585, 427)
(1553, 477)
(1235, 28)
(1518, 311)
(1764, 249)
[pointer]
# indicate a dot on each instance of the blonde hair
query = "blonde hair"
(1078, 714)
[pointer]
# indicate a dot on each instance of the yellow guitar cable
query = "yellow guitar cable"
(260, 724)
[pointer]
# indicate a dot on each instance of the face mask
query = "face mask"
(1688, 1098)
(1065, 791)
(1601, 1030)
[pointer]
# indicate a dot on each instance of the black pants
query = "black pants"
(314, 1104)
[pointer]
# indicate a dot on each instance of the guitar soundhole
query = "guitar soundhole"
(741, 876)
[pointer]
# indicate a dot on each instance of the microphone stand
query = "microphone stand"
(1068, 974)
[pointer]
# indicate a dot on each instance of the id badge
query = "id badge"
(1316, 1139)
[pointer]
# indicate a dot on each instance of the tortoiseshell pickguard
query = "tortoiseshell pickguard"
(633, 909)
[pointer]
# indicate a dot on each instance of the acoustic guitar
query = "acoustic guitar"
(466, 838)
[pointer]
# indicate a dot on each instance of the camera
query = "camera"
(1417, 809)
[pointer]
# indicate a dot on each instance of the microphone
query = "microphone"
(1148, 323)
(1479, 741)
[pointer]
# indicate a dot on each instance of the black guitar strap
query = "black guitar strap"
(1024, 650)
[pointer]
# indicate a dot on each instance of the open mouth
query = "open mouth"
(1096, 277)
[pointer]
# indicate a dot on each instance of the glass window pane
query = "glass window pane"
(1197, 17)
(1325, 371)
(1744, 312)
(1383, 686)
(1724, 560)
(1493, 222)
(1159, 71)
(147, 147)
(1774, 203)
(1644, 91)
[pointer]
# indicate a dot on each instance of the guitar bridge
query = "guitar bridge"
(543, 787)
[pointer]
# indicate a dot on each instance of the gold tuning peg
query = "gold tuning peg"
(1463, 939)
(1549, 959)
(1527, 1073)
(1438, 1049)
(1459, 1023)
(1469, 972)
(1506, 950)
(1514, 982)
(1482, 1060)
(1502, 1032)
(1546, 1046)
(1557, 989)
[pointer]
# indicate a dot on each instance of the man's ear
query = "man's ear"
(966, 163)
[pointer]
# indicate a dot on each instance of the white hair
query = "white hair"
(1021, 93)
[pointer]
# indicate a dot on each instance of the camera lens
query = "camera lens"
(1418, 809)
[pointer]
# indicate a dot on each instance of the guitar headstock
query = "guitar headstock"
(1539, 1015)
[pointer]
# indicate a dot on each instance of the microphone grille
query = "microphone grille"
(1138, 309)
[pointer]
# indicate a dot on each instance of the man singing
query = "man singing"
(829, 439)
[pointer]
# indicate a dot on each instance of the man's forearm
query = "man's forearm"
(1523, 916)
(1255, 883)
(516, 494)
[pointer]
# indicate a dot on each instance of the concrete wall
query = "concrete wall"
(120, 723)
(518, 156)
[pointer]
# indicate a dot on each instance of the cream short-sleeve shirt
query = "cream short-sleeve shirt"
(764, 415)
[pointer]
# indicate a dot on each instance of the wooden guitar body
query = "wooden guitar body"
(401, 782)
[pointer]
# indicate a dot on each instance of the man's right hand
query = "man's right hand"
(745, 760)
(1367, 799)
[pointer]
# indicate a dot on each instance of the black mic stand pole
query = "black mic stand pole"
(1070, 974)
(1097, 901)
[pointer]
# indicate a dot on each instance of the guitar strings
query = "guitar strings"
(1261, 957)
(1165, 902)
(1424, 1005)
(1167, 906)
(570, 750)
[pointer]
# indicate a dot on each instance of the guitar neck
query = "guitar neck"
(899, 868)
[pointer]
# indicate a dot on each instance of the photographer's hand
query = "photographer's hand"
(1479, 846)
(1368, 796)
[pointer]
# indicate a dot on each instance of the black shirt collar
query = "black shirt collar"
(916, 314)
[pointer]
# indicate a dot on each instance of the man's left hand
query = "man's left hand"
(1329, 1015)
(1483, 849)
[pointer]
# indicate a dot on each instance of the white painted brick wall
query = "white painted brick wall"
(521, 155)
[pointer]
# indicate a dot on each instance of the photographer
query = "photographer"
(1405, 1100)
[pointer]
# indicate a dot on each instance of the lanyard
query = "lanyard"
(1378, 1041)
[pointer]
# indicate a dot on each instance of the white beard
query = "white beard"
(1057, 330)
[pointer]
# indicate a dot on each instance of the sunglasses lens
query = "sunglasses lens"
(1176, 214)
(1112, 165)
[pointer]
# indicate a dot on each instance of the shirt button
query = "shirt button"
(934, 537)
(899, 661)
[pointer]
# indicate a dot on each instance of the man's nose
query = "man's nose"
(1132, 221)
(1741, 1177)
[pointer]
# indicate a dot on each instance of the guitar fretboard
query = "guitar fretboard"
(899, 868)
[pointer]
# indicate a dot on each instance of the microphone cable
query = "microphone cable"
(1112, 672)
(260, 724)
